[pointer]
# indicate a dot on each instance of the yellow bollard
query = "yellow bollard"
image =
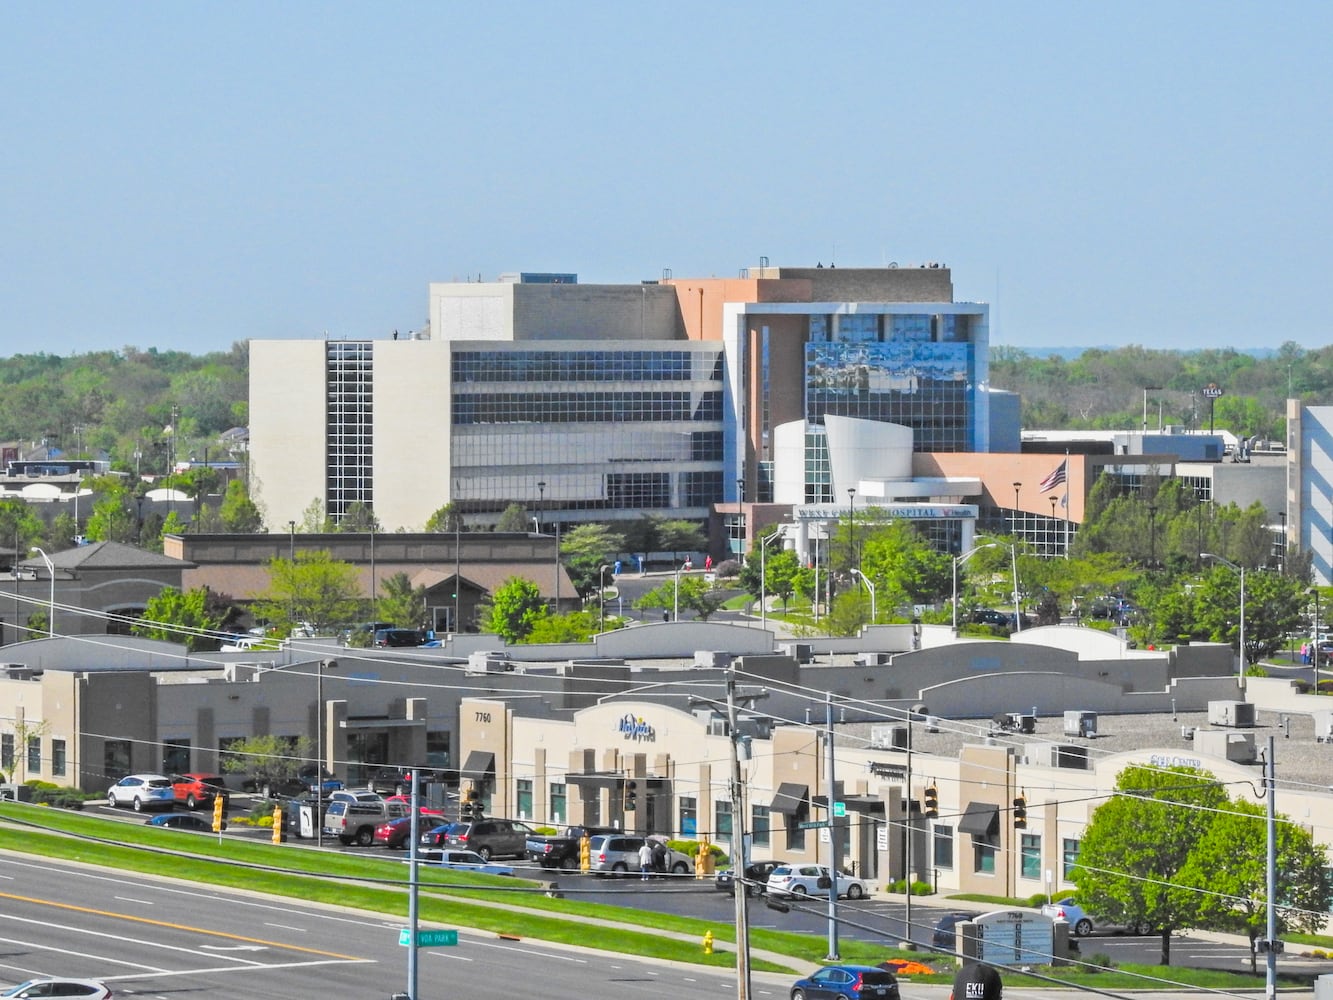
(708, 942)
(277, 824)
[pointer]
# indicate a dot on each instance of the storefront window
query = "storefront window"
(722, 814)
(524, 793)
(116, 759)
(943, 841)
(34, 755)
(557, 802)
(759, 829)
(796, 832)
(175, 756)
(1068, 856)
(689, 816)
(7, 751)
(58, 758)
(1029, 856)
(984, 850)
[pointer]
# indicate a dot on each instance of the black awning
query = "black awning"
(872, 804)
(595, 779)
(789, 799)
(479, 766)
(981, 819)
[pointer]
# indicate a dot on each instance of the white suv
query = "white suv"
(812, 880)
(142, 791)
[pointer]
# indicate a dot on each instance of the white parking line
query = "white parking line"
(39, 946)
(288, 927)
(530, 951)
(131, 899)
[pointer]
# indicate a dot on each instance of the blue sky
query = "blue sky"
(185, 176)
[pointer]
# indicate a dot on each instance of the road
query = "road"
(153, 938)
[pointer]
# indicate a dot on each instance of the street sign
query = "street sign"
(813, 824)
(429, 939)
(840, 809)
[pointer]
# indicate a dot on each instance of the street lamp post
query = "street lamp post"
(601, 598)
(957, 561)
(871, 587)
(1241, 570)
(675, 597)
(851, 525)
(1315, 659)
(320, 667)
(541, 502)
(1017, 487)
(51, 572)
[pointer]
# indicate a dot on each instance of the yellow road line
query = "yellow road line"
(179, 927)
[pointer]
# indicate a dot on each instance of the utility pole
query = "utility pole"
(1270, 978)
(833, 955)
(739, 887)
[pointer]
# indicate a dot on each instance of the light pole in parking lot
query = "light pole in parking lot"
(320, 667)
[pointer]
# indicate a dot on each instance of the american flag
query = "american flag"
(1055, 478)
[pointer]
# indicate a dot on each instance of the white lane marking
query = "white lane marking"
(131, 899)
(255, 967)
(287, 927)
(39, 946)
(233, 947)
(450, 955)
(531, 951)
(113, 937)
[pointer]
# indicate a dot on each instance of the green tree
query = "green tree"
(577, 626)
(1138, 842)
(359, 518)
(1273, 605)
(112, 518)
(239, 513)
(850, 610)
(903, 565)
(515, 608)
(19, 527)
(268, 760)
(315, 519)
(680, 536)
(62, 532)
(400, 602)
(696, 594)
(1228, 870)
(447, 519)
(514, 518)
(313, 588)
(585, 550)
(186, 618)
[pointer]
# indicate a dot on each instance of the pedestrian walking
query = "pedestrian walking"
(645, 861)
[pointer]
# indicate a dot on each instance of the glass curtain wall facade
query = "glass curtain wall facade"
(349, 417)
(601, 429)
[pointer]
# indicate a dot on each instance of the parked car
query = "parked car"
(989, 616)
(397, 637)
(562, 850)
(471, 861)
(813, 880)
(198, 789)
(142, 791)
(361, 634)
(390, 779)
(491, 838)
(1081, 923)
(45, 986)
(840, 982)
(181, 821)
(428, 812)
(618, 854)
(756, 877)
(435, 839)
(393, 833)
(945, 934)
(355, 820)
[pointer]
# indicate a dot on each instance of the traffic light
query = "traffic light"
(932, 802)
(469, 807)
(1021, 813)
(631, 795)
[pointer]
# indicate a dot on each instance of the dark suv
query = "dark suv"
(398, 637)
(945, 935)
(492, 838)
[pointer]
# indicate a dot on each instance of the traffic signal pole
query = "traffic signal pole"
(413, 891)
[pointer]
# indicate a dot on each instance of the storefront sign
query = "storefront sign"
(634, 728)
(1174, 760)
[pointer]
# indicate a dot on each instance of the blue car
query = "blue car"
(847, 982)
(181, 821)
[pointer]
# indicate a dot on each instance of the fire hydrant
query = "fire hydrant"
(708, 942)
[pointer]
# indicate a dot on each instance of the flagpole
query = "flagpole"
(1066, 503)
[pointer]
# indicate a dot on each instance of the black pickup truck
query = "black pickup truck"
(562, 851)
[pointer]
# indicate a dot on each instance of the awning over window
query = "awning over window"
(479, 766)
(981, 819)
(789, 799)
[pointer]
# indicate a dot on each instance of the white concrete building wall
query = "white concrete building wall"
(788, 444)
(411, 431)
(866, 450)
(1315, 494)
(287, 424)
(471, 310)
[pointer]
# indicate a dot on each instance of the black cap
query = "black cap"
(976, 981)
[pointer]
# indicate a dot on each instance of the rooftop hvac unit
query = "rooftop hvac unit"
(932, 723)
(1069, 755)
(801, 652)
(1235, 747)
(1081, 724)
(888, 737)
(1236, 714)
(871, 659)
(711, 658)
(482, 662)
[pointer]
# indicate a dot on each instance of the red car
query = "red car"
(393, 832)
(198, 789)
(432, 813)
